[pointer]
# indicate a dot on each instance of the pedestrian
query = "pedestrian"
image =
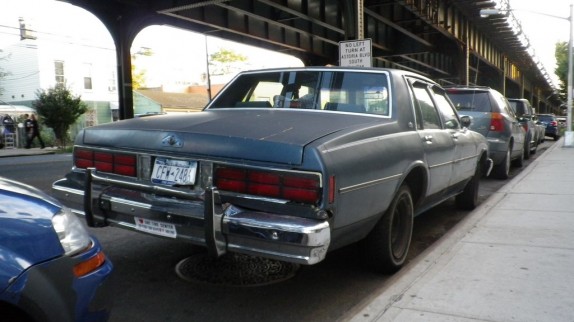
(33, 131)
(8, 124)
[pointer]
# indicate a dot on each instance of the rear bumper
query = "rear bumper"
(204, 218)
(497, 149)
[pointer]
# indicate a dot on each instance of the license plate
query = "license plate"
(155, 227)
(173, 172)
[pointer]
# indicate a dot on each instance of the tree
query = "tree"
(224, 59)
(561, 54)
(139, 75)
(59, 109)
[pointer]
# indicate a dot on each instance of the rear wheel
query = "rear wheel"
(518, 162)
(502, 170)
(468, 198)
(535, 147)
(527, 148)
(386, 247)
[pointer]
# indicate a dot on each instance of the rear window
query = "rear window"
(473, 101)
(520, 108)
(335, 91)
(546, 118)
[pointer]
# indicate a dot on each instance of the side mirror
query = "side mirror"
(466, 121)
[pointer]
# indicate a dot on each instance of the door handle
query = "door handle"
(428, 138)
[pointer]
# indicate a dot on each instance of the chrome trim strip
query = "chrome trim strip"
(467, 158)
(368, 183)
(440, 164)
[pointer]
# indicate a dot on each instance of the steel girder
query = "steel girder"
(443, 39)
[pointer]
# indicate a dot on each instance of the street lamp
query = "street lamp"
(569, 135)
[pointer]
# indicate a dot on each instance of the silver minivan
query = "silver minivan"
(493, 117)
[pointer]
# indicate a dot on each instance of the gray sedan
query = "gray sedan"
(287, 164)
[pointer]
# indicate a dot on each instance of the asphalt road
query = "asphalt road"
(147, 288)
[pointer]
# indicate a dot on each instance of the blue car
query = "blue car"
(51, 269)
(551, 123)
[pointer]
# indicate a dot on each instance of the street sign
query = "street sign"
(356, 53)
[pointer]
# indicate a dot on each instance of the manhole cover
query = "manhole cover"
(234, 270)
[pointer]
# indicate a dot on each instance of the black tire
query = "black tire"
(468, 198)
(518, 162)
(387, 245)
(556, 137)
(502, 170)
(535, 148)
(527, 148)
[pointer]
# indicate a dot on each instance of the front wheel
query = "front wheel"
(386, 247)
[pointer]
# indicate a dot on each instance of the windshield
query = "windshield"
(340, 91)
(475, 101)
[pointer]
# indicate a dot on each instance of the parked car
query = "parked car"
(526, 116)
(551, 123)
(492, 117)
(51, 268)
(286, 164)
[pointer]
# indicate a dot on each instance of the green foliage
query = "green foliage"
(138, 74)
(227, 56)
(138, 77)
(59, 109)
(561, 54)
(224, 59)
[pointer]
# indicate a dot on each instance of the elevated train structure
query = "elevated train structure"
(446, 40)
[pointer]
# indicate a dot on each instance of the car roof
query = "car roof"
(393, 71)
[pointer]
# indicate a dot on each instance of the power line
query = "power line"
(58, 38)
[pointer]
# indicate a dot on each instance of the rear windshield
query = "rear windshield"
(545, 118)
(470, 101)
(518, 107)
(335, 91)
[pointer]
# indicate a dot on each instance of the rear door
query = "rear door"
(438, 143)
(465, 155)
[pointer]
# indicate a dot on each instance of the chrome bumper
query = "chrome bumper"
(200, 218)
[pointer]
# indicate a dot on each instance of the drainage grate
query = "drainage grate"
(234, 270)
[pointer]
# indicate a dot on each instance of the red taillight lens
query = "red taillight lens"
(123, 164)
(553, 123)
(496, 122)
(297, 187)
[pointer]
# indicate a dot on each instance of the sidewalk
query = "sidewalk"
(18, 152)
(512, 259)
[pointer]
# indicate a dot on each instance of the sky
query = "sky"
(65, 23)
(545, 22)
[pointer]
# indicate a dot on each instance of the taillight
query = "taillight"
(496, 122)
(553, 123)
(297, 187)
(118, 163)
